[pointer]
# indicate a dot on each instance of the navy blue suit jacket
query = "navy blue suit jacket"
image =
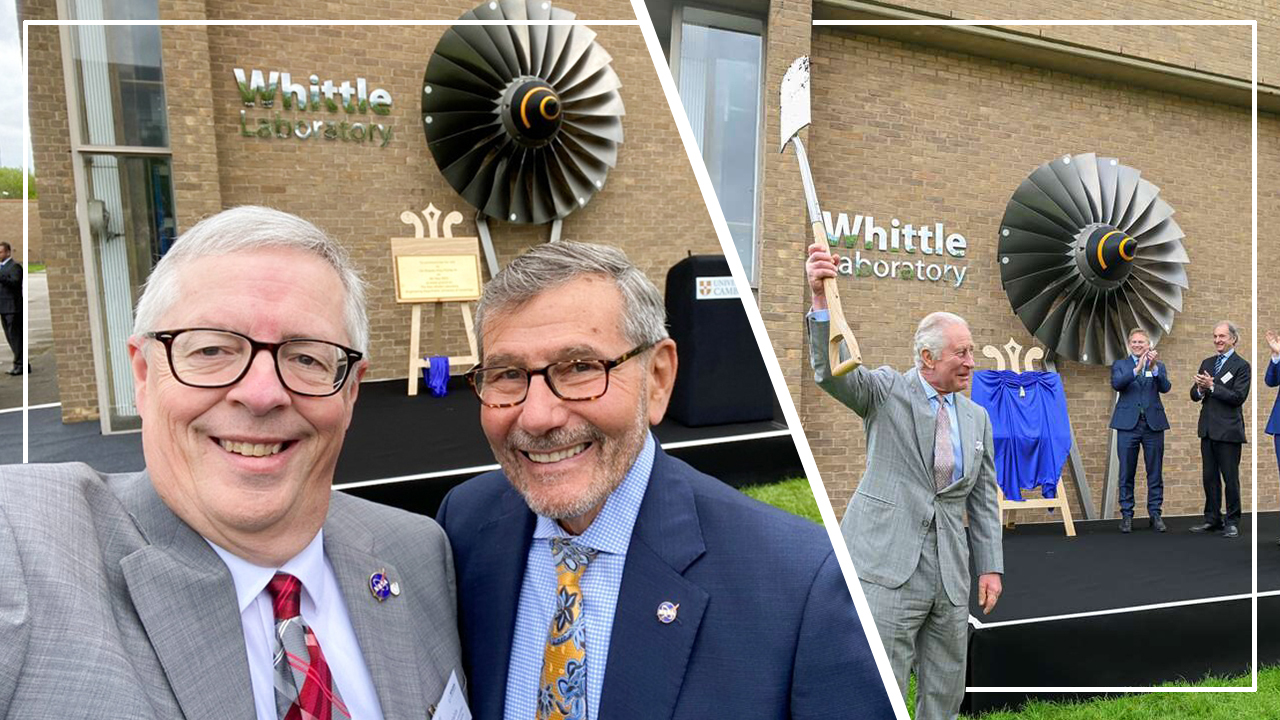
(1273, 380)
(1134, 394)
(766, 628)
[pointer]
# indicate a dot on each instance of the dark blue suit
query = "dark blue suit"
(1273, 423)
(766, 629)
(1139, 421)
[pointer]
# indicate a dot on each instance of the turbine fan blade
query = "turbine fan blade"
(1107, 187)
(1070, 179)
(1156, 213)
(1046, 178)
(1087, 169)
(1167, 231)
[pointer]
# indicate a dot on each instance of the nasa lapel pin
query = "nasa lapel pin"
(667, 612)
(382, 586)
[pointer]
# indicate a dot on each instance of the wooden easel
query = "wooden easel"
(1014, 350)
(436, 246)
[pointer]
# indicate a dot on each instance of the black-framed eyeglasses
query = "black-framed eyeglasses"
(576, 380)
(215, 358)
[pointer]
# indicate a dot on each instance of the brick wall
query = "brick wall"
(63, 255)
(1268, 303)
(382, 10)
(1221, 49)
(920, 134)
(11, 229)
(650, 206)
(782, 214)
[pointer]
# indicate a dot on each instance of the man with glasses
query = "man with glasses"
(228, 580)
(599, 578)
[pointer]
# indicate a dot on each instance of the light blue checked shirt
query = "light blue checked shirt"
(610, 533)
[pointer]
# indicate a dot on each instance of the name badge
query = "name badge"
(1150, 374)
(452, 705)
(1226, 378)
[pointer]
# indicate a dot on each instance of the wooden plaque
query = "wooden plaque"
(436, 269)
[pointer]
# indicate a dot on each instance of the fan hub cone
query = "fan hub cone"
(1105, 254)
(531, 111)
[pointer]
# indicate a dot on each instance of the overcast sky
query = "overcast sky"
(11, 87)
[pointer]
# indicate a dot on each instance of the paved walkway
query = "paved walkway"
(43, 379)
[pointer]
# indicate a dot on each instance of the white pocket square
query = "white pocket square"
(978, 446)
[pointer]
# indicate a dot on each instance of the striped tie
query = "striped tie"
(944, 461)
(1222, 360)
(304, 687)
(562, 694)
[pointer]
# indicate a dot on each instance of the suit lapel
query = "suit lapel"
(925, 420)
(647, 658)
(401, 671)
(186, 600)
(493, 583)
(964, 411)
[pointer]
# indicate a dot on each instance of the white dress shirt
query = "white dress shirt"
(323, 610)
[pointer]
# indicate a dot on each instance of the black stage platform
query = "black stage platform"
(409, 451)
(1106, 610)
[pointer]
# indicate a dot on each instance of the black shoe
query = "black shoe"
(15, 371)
(1126, 524)
(1230, 531)
(1157, 524)
(1205, 527)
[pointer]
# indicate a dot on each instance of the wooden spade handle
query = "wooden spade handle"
(839, 331)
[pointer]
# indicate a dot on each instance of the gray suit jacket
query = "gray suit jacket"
(112, 607)
(896, 501)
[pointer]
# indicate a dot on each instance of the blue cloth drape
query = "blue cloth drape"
(437, 376)
(1030, 426)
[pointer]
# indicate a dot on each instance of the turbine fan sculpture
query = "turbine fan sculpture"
(524, 121)
(1088, 251)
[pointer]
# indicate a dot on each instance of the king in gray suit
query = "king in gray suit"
(930, 459)
(227, 580)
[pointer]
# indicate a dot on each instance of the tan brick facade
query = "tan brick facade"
(926, 134)
(11, 228)
(650, 205)
(1213, 49)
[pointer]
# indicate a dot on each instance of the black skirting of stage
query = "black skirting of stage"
(395, 440)
(1104, 583)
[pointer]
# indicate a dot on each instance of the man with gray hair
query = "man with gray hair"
(228, 580)
(930, 460)
(600, 578)
(1221, 386)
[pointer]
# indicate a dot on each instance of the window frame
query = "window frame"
(80, 150)
(734, 20)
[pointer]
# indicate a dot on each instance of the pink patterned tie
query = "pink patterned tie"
(304, 687)
(944, 462)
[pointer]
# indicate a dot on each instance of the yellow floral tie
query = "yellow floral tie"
(562, 695)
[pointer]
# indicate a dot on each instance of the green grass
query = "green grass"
(35, 267)
(1157, 706)
(792, 495)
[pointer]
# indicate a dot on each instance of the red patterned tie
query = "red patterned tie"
(304, 687)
